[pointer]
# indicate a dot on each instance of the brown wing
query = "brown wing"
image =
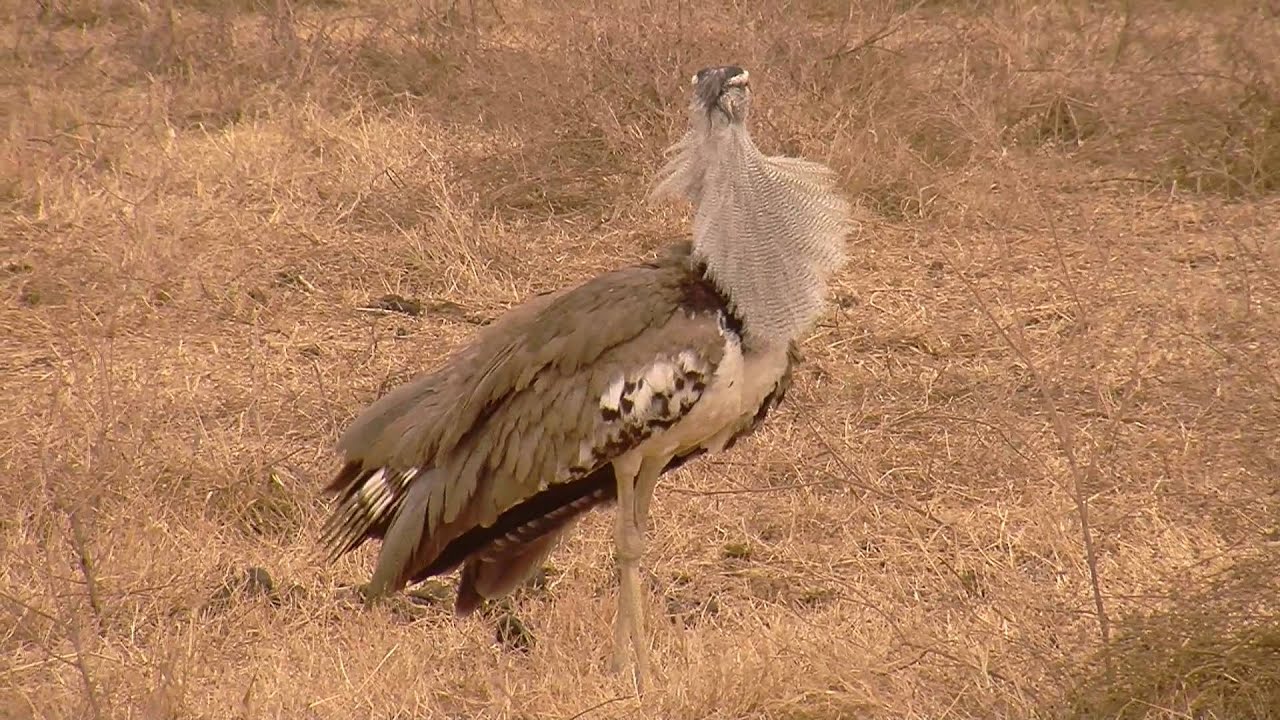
(549, 394)
(501, 556)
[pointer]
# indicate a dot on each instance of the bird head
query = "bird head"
(722, 93)
(718, 109)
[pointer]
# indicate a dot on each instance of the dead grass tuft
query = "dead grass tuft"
(1213, 652)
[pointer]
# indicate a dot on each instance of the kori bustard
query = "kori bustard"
(583, 397)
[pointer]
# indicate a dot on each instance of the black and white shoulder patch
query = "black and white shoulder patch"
(637, 404)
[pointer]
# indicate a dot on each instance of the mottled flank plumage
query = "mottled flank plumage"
(587, 396)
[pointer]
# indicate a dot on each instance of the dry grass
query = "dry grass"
(1064, 296)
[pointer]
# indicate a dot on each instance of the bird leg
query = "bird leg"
(646, 482)
(626, 479)
(636, 481)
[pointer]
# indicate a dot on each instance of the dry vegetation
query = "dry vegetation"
(1030, 468)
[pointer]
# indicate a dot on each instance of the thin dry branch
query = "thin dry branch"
(72, 630)
(1065, 442)
(890, 27)
(85, 562)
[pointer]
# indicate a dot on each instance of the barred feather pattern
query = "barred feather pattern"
(370, 501)
(770, 229)
(683, 174)
(540, 526)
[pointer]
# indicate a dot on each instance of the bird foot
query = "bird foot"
(629, 658)
(618, 658)
(632, 674)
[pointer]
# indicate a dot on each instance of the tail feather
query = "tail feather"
(494, 575)
(401, 539)
(370, 500)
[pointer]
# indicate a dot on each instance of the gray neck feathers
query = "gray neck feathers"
(771, 230)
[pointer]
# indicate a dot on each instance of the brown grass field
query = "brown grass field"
(1030, 467)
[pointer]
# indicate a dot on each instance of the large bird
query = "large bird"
(585, 396)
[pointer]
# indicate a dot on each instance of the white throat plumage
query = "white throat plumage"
(771, 230)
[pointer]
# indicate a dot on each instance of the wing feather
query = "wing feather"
(521, 406)
(499, 557)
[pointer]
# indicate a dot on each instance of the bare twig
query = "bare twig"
(1024, 190)
(603, 703)
(81, 663)
(890, 27)
(821, 434)
(85, 561)
(1067, 445)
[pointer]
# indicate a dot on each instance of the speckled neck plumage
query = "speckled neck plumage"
(770, 230)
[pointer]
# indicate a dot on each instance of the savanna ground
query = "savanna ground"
(1029, 469)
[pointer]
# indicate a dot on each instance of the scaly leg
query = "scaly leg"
(635, 488)
(645, 483)
(624, 542)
